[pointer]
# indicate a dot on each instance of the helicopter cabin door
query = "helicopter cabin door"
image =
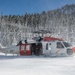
(22, 49)
(25, 49)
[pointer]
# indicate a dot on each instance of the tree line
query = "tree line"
(60, 21)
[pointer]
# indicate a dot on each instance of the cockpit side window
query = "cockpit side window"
(66, 44)
(60, 45)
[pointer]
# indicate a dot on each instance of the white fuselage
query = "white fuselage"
(56, 48)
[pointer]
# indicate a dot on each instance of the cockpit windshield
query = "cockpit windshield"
(66, 44)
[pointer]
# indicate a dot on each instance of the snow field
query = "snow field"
(30, 65)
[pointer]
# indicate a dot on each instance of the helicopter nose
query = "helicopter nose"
(73, 49)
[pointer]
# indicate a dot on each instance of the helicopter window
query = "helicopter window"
(59, 45)
(67, 44)
(28, 47)
(47, 46)
(22, 47)
(49, 43)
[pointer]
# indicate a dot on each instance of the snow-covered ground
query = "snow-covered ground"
(36, 65)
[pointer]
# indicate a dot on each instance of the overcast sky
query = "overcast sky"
(20, 7)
